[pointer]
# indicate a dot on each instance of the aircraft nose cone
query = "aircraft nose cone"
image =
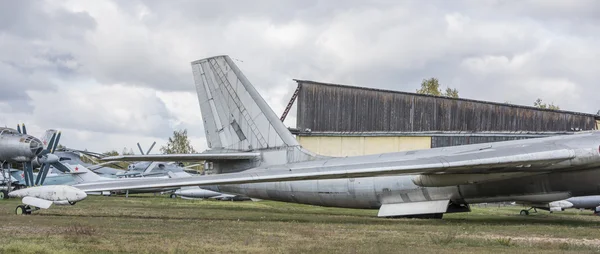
(16, 194)
(81, 195)
(36, 146)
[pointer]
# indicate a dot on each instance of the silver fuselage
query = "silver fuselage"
(17, 147)
(372, 192)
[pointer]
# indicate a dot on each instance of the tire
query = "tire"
(72, 203)
(3, 194)
(173, 196)
(524, 212)
(20, 210)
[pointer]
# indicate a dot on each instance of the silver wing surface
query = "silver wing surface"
(543, 158)
(185, 157)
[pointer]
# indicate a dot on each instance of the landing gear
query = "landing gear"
(3, 194)
(72, 203)
(526, 212)
(24, 210)
(173, 195)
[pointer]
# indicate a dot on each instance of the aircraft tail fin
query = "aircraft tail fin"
(235, 116)
(47, 136)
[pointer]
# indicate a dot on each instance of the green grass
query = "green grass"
(148, 224)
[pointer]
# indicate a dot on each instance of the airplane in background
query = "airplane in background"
(583, 202)
(256, 155)
(73, 157)
(16, 146)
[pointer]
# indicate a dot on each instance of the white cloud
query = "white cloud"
(111, 72)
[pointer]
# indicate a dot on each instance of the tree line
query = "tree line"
(431, 86)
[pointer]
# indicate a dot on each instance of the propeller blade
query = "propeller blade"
(39, 175)
(140, 147)
(24, 129)
(59, 166)
(28, 170)
(150, 149)
(50, 143)
(45, 170)
(25, 174)
(19, 128)
(55, 145)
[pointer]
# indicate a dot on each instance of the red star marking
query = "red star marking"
(45, 142)
(76, 169)
(22, 175)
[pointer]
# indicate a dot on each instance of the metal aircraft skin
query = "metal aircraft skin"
(42, 197)
(257, 156)
(18, 147)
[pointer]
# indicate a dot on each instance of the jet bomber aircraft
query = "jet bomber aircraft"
(257, 156)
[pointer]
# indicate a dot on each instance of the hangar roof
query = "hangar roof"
(326, 107)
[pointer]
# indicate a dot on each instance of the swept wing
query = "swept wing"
(545, 158)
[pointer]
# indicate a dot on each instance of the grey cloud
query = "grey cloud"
(37, 20)
(488, 49)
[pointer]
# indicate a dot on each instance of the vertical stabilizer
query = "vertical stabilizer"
(235, 116)
(47, 136)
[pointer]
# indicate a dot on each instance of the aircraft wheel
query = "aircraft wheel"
(524, 212)
(3, 194)
(72, 203)
(20, 210)
(173, 195)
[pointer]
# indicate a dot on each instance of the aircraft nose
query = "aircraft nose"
(16, 194)
(36, 146)
(81, 195)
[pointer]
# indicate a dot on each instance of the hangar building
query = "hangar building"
(340, 120)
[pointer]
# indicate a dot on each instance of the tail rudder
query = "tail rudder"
(235, 116)
(47, 136)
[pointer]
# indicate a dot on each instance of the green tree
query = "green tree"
(432, 87)
(540, 104)
(179, 143)
(451, 93)
(127, 151)
(111, 153)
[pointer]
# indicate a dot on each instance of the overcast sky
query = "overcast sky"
(112, 73)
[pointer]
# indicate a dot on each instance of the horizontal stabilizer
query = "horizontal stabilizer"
(37, 202)
(185, 157)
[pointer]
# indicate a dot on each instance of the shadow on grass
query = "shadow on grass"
(262, 215)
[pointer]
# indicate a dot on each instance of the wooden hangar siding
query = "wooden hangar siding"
(336, 108)
(343, 120)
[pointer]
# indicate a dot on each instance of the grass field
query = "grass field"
(148, 224)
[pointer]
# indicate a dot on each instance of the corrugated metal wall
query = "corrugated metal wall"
(336, 108)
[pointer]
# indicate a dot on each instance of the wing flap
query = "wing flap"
(37, 202)
(530, 162)
(413, 208)
(185, 157)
